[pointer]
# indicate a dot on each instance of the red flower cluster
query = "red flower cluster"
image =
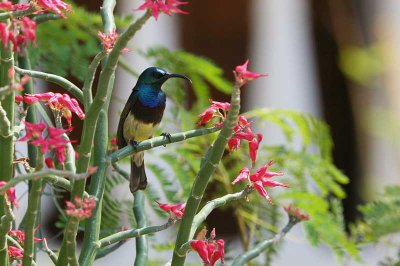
(62, 103)
(56, 6)
(81, 209)
(296, 213)
(18, 32)
(9, 6)
(241, 131)
(242, 75)
(260, 179)
(214, 111)
(209, 250)
(10, 194)
(176, 210)
(53, 140)
(162, 6)
(15, 253)
(19, 236)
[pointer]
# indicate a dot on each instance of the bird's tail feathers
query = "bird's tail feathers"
(138, 179)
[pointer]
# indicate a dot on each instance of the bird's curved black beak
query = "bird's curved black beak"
(173, 75)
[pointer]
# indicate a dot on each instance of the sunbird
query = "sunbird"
(140, 117)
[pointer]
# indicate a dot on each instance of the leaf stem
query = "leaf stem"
(141, 241)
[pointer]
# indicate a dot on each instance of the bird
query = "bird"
(140, 117)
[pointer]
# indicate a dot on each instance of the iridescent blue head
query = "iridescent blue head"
(149, 85)
(155, 77)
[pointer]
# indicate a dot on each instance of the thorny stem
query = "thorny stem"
(5, 226)
(17, 13)
(207, 168)
(32, 213)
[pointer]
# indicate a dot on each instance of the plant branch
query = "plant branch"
(215, 203)
(5, 127)
(17, 13)
(45, 173)
(160, 141)
(32, 213)
(63, 82)
(5, 226)
(114, 238)
(244, 258)
(88, 83)
(46, 17)
(207, 168)
(140, 216)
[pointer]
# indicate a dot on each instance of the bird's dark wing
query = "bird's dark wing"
(128, 107)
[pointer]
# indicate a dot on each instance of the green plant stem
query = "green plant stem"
(5, 226)
(65, 83)
(207, 209)
(24, 62)
(102, 96)
(97, 184)
(7, 118)
(45, 17)
(215, 203)
(17, 13)
(90, 75)
(45, 173)
(207, 168)
(140, 216)
(92, 226)
(244, 258)
(109, 249)
(49, 252)
(32, 213)
(70, 241)
(117, 237)
(160, 141)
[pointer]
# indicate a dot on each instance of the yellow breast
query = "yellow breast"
(137, 130)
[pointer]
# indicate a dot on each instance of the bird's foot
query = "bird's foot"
(167, 136)
(133, 143)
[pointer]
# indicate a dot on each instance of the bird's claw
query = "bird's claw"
(133, 143)
(167, 136)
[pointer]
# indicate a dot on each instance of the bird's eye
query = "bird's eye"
(158, 75)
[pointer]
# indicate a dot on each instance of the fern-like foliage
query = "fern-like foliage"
(380, 218)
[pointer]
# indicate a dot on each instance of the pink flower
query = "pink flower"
(62, 103)
(33, 131)
(108, 39)
(242, 75)
(7, 5)
(81, 209)
(209, 250)
(49, 162)
(162, 6)
(207, 115)
(296, 213)
(18, 32)
(260, 179)
(15, 253)
(54, 140)
(30, 99)
(243, 175)
(56, 6)
(253, 147)
(10, 194)
(233, 144)
(20, 236)
(18, 98)
(177, 210)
